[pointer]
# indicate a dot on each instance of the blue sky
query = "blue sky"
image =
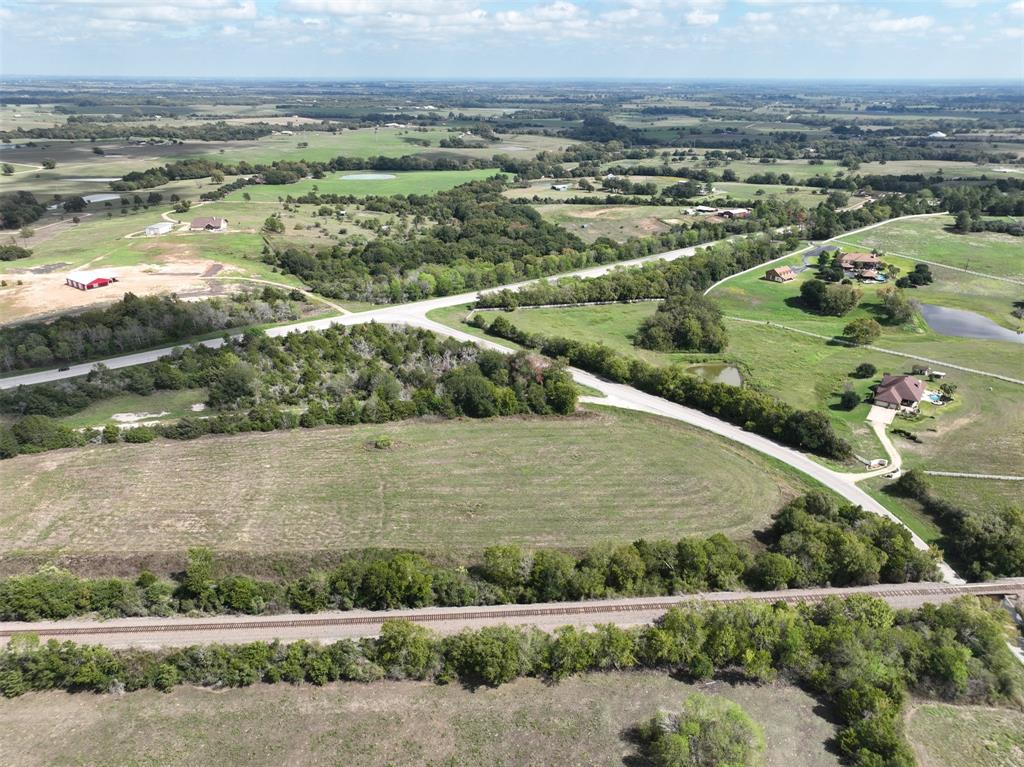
(470, 39)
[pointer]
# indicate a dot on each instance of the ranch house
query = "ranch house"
(208, 224)
(780, 274)
(899, 393)
(859, 261)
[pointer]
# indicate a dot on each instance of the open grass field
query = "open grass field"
(805, 195)
(752, 297)
(408, 182)
(966, 736)
(618, 222)
(930, 239)
(458, 485)
(579, 721)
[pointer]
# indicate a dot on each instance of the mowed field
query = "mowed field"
(966, 736)
(930, 239)
(452, 485)
(365, 183)
(579, 721)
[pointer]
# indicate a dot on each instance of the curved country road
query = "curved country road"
(332, 626)
(616, 395)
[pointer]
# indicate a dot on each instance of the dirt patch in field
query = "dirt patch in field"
(43, 293)
(601, 213)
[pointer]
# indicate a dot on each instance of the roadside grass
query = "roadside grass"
(909, 511)
(580, 720)
(966, 736)
(447, 486)
(404, 182)
(163, 405)
(930, 239)
(978, 432)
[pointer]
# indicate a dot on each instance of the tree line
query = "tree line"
(752, 410)
(813, 541)
(135, 323)
(860, 656)
(990, 544)
(657, 279)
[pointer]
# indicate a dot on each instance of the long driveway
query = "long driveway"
(332, 626)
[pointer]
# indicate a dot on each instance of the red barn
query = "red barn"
(90, 280)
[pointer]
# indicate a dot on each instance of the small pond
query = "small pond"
(718, 372)
(367, 177)
(964, 324)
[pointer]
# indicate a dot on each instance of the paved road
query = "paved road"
(384, 314)
(331, 626)
(616, 395)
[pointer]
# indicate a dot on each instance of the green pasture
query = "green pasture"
(932, 239)
(408, 182)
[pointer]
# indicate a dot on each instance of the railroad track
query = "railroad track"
(515, 614)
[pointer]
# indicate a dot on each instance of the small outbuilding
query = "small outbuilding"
(734, 213)
(94, 198)
(780, 274)
(899, 393)
(209, 224)
(560, 187)
(162, 227)
(90, 280)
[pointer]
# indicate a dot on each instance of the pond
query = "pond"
(367, 177)
(964, 324)
(718, 372)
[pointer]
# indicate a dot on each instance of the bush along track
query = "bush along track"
(812, 542)
(857, 654)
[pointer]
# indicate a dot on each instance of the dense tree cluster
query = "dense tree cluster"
(135, 323)
(13, 252)
(752, 410)
(684, 322)
(19, 209)
(363, 374)
(858, 654)
(989, 543)
(831, 299)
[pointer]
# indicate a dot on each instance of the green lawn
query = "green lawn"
(446, 485)
(407, 182)
(579, 721)
(930, 239)
(966, 736)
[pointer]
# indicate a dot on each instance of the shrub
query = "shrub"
(708, 731)
(865, 370)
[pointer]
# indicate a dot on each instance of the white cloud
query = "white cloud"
(1016, 7)
(899, 25)
(1014, 33)
(700, 17)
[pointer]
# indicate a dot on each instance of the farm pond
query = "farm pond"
(965, 324)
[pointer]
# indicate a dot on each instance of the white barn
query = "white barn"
(162, 227)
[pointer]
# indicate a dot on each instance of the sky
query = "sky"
(547, 39)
